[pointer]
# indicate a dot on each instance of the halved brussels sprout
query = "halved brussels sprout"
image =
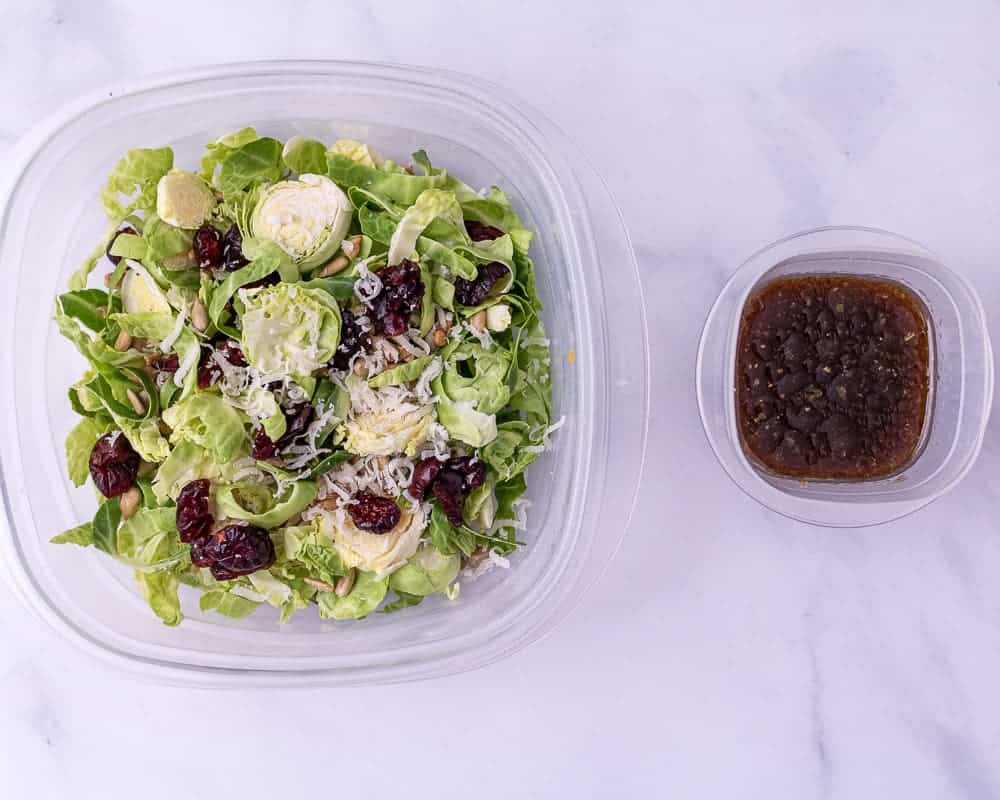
(364, 598)
(382, 434)
(141, 294)
(257, 504)
(308, 218)
(379, 553)
(290, 330)
(385, 421)
(183, 199)
(429, 571)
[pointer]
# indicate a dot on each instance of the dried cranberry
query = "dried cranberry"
(472, 470)
(401, 295)
(353, 339)
(401, 274)
(209, 370)
(199, 552)
(297, 419)
(449, 491)
(116, 260)
(233, 353)
(194, 519)
(165, 363)
(263, 447)
(237, 549)
(232, 250)
(222, 573)
(207, 376)
(373, 513)
(401, 285)
(113, 464)
(450, 482)
(472, 293)
(394, 324)
(480, 232)
(424, 473)
(207, 245)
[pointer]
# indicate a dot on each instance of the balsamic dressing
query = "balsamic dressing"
(832, 376)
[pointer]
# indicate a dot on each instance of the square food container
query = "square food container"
(582, 491)
(961, 379)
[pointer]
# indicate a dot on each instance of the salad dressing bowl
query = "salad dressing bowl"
(960, 376)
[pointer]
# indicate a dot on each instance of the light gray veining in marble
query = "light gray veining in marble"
(728, 652)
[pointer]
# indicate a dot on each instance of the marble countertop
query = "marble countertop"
(728, 652)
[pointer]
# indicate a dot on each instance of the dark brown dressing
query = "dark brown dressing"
(832, 376)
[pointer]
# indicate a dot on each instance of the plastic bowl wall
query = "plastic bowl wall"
(582, 491)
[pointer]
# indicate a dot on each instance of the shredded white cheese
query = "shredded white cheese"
(412, 343)
(302, 454)
(520, 520)
(304, 448)
(382, 355)
(235, 380)
(443, 316)
(437, 438)
(379, 474)
(388, 401)
(187, 364)
(545, 433)
(247, 468)
(283, 484)
(368, 285)
(175, 332)
(492, 561)
(546, 440)
(422, 388)
(482, 336)
(295, 393)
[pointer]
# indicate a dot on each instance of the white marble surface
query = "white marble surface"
(728, 652)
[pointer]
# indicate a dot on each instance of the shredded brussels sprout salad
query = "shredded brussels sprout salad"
(315, 378)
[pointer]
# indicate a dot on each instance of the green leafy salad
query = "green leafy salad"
(315, 377)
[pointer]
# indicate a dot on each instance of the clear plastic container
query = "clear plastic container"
(961, 378)
(582, 491)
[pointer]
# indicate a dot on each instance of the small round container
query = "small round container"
(582, 491)
(961, 380)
